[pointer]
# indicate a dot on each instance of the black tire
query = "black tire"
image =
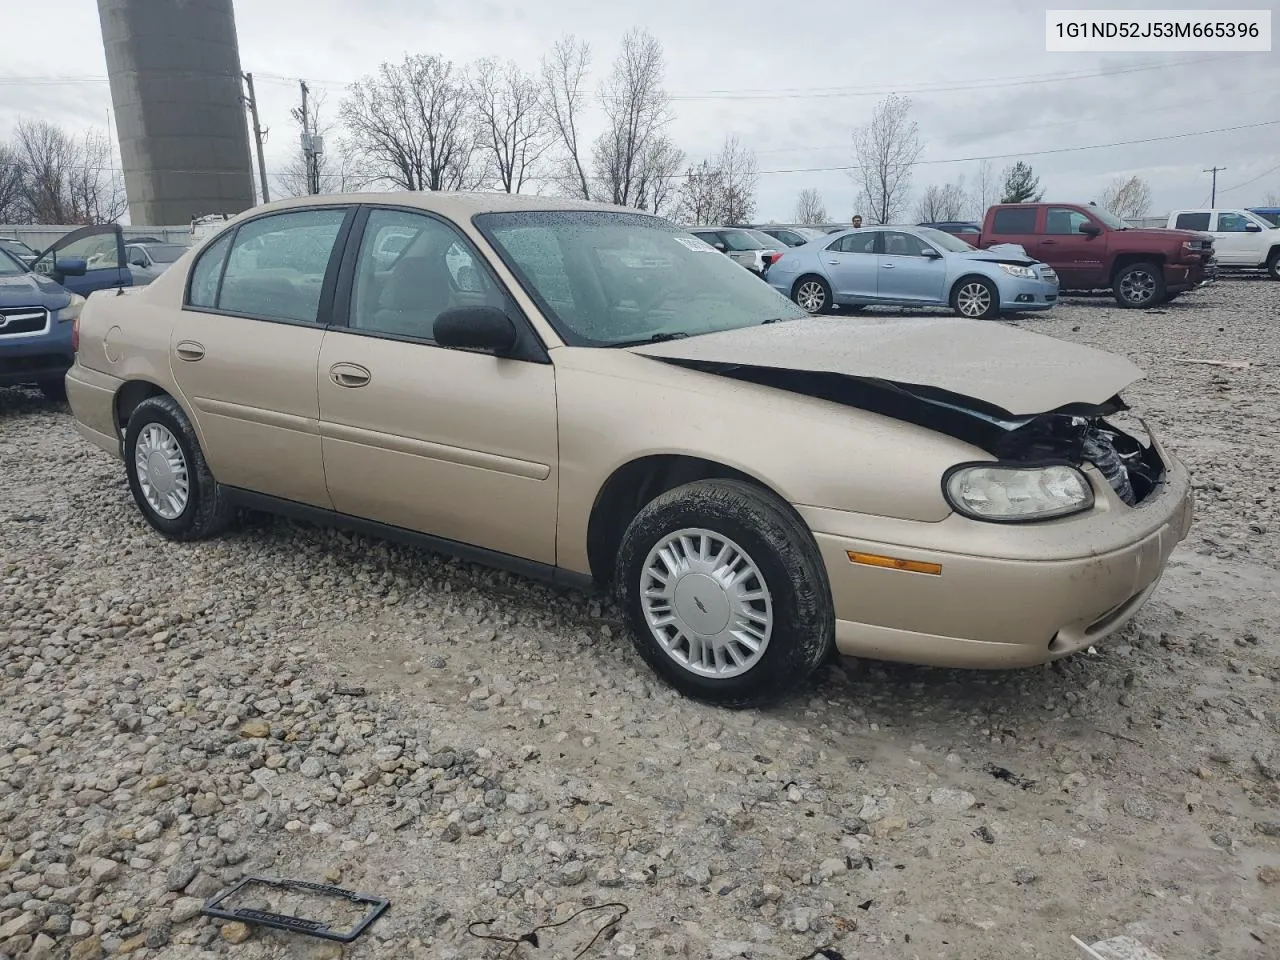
(1273, 264)
(812, 280)
(208, 510)
(54, 389)
(962, 288)
(1139, 286)
(791, 568)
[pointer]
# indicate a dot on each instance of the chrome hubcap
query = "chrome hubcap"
(1138, 286)
(973, 300)
(162, 471)
(706, 603)
(811, 296)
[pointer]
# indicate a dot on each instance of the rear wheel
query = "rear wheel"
(976, 299)
(54, 388)
(1139, 285)
(725, 593)
(168, 476)
(812, 294)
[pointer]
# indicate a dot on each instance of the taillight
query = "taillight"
(775, 257)
(75, 335)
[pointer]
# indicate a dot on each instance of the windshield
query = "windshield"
(1109, 218)
(604, 278)
(744, 240)
(165, 252)
(946, 241)
(17, 248)
(1271, 216)
(10, 266)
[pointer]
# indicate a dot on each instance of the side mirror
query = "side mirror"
(719, 246)
(1252, 228)
(486, 329)
(137, 260)
(930, 254)
(1090, 229)
(71, 267)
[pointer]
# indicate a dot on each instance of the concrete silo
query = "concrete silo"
(177, 91)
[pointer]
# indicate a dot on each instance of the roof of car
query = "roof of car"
(452, 204)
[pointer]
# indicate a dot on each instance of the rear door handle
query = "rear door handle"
(834, 263)
(1048, 241)
(189, 350)
(887, 266)
(349, 375)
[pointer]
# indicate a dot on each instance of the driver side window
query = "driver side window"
(1061, 221)
(1231, 223)
(433, 271)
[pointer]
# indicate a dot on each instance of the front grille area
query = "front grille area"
(16, 320)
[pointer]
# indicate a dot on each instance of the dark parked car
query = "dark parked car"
(39, 304)
(18, 249)
(964, 229)
(793, 236)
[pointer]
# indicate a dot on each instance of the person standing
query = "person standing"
(857, 220)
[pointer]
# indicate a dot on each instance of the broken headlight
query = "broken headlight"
(1015, 494)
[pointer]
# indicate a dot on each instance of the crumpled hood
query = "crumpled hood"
(1001, 253)
(32, 290)
(1018, 372)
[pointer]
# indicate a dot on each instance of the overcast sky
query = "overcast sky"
(792, 80)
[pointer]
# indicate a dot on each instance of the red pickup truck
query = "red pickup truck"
(1092, 249)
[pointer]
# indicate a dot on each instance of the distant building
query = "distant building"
(177, 90)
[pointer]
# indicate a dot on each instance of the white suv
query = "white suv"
(1242, 240)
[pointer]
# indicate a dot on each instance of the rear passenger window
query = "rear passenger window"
(207, 272)
(1014, 220)
(1192, 221)
(277, 265)
(856, 243)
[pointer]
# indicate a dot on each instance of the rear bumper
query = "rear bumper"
(92, 398)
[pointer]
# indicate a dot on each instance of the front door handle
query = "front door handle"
(189, 350)
(834, 263)
(349, 375)
(1047, 242)
(887, 266)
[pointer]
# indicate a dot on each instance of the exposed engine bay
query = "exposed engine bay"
(1076, 434)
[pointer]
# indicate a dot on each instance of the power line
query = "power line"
(1183, 106)
(1265, 173)
(783, 93)
(845, 167)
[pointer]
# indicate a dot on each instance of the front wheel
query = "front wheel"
(976, 299)
(1139, 285)
(725, 593)
(1273, 265)
(813, 295)
(167, 473)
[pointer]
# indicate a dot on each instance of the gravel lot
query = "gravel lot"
(474, 746)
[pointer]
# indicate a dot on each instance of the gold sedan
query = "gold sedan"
(593, 395)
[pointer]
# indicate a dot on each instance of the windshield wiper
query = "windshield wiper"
(656, 338)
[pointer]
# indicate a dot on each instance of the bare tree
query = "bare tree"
(60, 179)
(1272, 200)
(12, 202)
(941, 203)
(985, 191)
(658, 183)
(338, 170)
(885, 151)
(809, 207)
(1128, 198)
(636, 110)
(513, 127)
(739, 177)
(416, 124)
(563, 96)
(700, 194)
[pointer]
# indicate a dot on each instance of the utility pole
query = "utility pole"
(257, 136)
(308, 146)
(1214, 170)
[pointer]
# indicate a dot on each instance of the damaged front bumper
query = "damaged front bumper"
(1005, 595)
